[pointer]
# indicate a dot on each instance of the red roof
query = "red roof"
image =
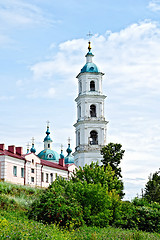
(53, 165)
(8, 153)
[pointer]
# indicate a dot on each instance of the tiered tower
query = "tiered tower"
(91, 124)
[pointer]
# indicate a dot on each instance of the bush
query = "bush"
(70, 204)
(57, 206)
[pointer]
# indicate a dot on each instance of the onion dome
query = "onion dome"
(32, 150)
(69, 158)
(50, 155)
(61, 155)
(47, 138)
(89, 66)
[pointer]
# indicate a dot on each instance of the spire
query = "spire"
(89, 55)
(28, 145)
(89, 46)
(69, 150)
(33, 150)
(47, 138)
(69, 158)
(61, 155)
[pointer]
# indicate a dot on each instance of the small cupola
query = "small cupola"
(69, 158)
(32, 150)
(89, 66)
(61, 154)
(47, 140)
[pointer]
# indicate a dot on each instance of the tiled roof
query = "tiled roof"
(53, 165)
(10, 154)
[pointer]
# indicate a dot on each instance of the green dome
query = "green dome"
(50, 155)
(89, 67)
(69, 158)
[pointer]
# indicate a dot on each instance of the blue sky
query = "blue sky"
(42, 48)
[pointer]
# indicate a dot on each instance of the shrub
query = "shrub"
(68, 203)
(56, 206)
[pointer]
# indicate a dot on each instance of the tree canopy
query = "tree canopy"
(152, 188)
(112, 155)
(95, 174)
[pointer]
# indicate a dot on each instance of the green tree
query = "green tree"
(112, 155)
(152, 188)
(95, 174)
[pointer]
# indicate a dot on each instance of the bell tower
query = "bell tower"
(91, 124)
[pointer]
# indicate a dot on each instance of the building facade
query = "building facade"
(91, 126)
(29, 169)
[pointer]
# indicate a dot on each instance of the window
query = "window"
(93, 111)
(92, 86)
(93, 138)
(46, 177)
(32, 179)
(22, 172)
(48, 145)
(32, 161)
(78, 138)
(42, 177)
(80, 87)
(15, 171)
(51, 175)
(79, 111)
(32, 170)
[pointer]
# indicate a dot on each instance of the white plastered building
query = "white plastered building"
(91, 126)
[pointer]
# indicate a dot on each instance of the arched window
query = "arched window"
(93, 138)
(79, 112)
(80, 87)
(93, 111)
(78, 139)
(92, 86)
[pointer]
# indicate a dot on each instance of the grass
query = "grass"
(14, 223)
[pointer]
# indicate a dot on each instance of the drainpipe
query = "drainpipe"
(24, 172)
(41, 175)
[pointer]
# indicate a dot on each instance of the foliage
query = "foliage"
(17, 196)
(70, 204)
(57, 206)
(112, 155)
(139, 214)
(15, 225)
(152, 188)
(95, 174)
(98, 208)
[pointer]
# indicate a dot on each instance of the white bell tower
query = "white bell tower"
(91, 124)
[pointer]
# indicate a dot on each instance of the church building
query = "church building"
(90, 128)
(91, 125)
(35, 170)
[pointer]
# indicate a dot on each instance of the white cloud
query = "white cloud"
(18, 12)
(154, 5)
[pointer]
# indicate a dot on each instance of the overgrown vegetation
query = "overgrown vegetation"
(89, 206)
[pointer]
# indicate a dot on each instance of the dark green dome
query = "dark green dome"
(50, 155)
(89, 67)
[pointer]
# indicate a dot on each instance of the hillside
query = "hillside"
(14, 223)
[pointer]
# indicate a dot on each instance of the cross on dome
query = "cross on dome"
(69, 140)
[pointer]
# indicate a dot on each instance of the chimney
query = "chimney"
(2, 146)
(61, 162)
(19, 151)
(12, 149)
